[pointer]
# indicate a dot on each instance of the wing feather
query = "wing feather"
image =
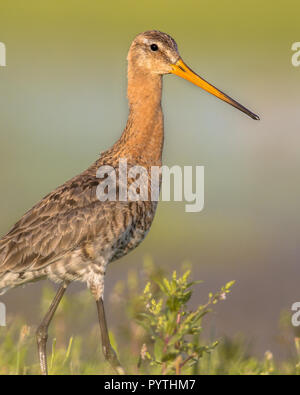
(61, 221)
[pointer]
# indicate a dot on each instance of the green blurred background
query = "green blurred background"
(63, 101)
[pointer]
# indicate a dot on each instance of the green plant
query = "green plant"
(173, 329)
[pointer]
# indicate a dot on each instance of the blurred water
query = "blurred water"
(63, 101)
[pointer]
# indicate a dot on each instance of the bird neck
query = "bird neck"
(142, 139)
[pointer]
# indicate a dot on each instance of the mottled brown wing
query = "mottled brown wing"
(58, 223)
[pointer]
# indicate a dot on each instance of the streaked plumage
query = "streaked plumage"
(71, 235)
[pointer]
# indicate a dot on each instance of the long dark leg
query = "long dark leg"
(42, 331)
(109, 353)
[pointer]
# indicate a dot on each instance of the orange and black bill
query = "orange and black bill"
(182, 70)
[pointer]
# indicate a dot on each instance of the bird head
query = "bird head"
(155, 52)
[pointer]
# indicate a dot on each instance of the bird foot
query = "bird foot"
(111, 356)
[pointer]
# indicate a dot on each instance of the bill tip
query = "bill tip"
(256, 117)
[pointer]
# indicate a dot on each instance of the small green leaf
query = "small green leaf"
(158, 349)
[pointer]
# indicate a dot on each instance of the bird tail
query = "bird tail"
(4, 283)
(10, 280)
(3, 290)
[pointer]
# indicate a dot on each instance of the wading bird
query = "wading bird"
(71, 235)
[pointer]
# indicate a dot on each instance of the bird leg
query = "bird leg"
(42, 331)
(109, 353)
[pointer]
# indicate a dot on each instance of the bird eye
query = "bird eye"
(154, 47)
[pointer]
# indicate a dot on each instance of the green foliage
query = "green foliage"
(173, 328)
(159, 333)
